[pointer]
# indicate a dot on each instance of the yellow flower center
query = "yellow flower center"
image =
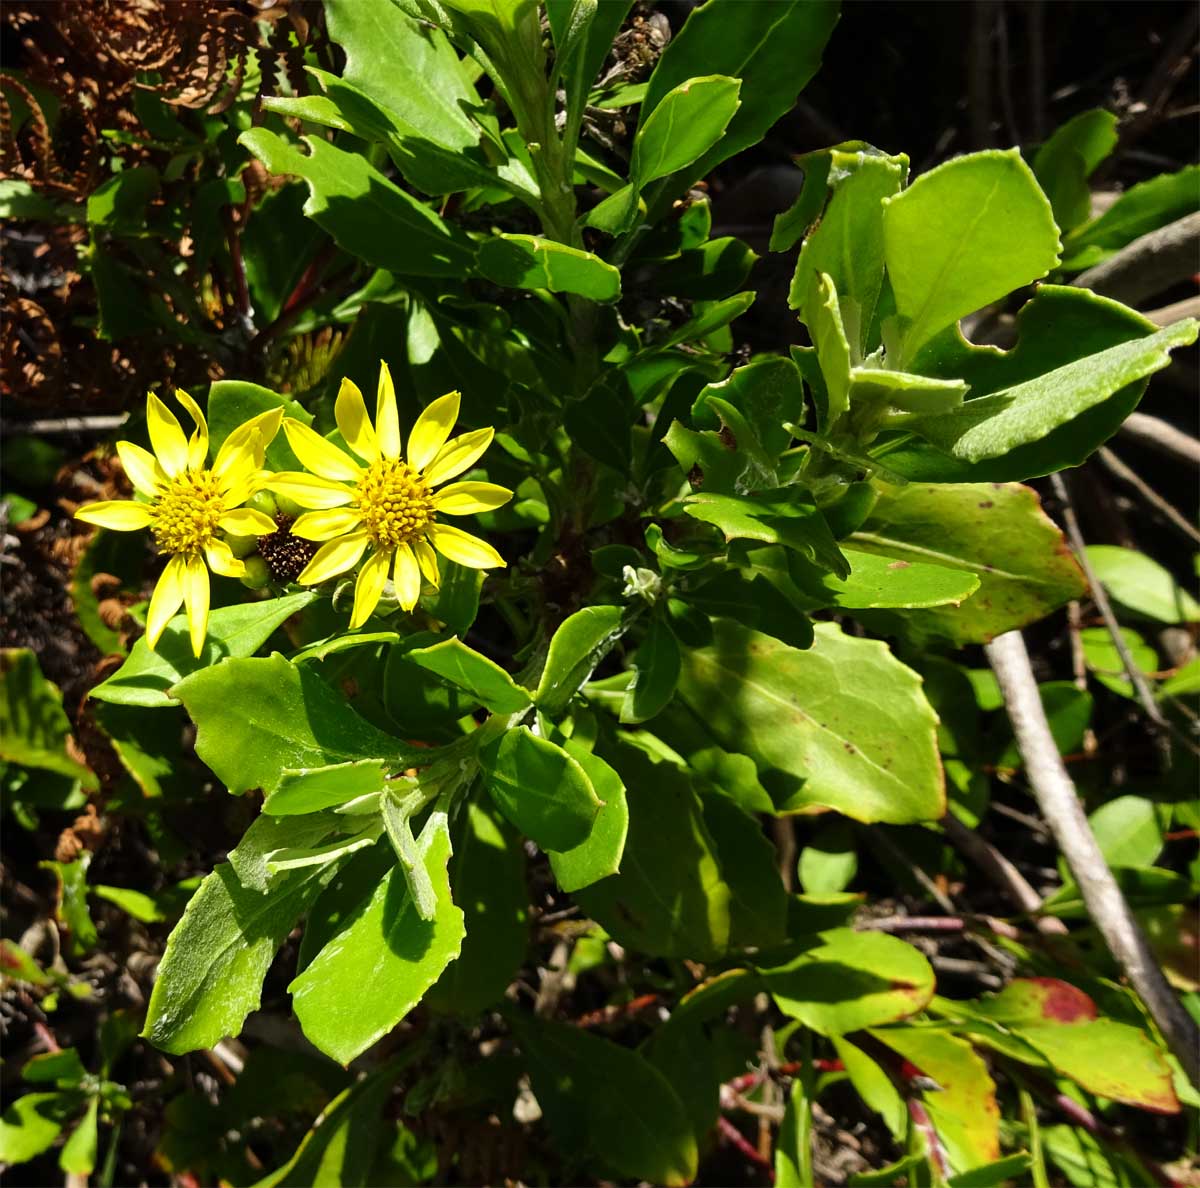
(184, 517)
(394, 503)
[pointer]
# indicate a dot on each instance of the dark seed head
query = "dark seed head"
(286, 555)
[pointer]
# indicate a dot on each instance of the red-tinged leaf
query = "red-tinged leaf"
(1038, 1000)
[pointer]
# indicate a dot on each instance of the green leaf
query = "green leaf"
(430, 93)
(1141, 585)
(211, 975)
(773, 48)
(150, 747)
(487, 873)
(608, 1103)
(1142, 208)
(233, 631)
(995, 425)
(381, 960)
(682, 126)
(847, 245)
(997, 531)
(119, 204)
(233, 402)
(1104, 661)
(851, 980)
(784, 515)
(1037, 1000)
(829, 862)
(767, 393)
(1086, 1162)
(71, 909)
(543, 791)
(877, 581)
(993, 1175)
(1127, 831)
(484, 679)
(714, 270)
(866, 747)
(457, 601)
(1064, 163)
(795, 1135)
(903, 391)
(137, 904)
(1108, 1059)
(669, 898)
(78, 1155)
(29, 1126)
(599, 854)
(256, 718)
(310, 789)
(874, 1086)
(62, 1067)
(340, 1148)
(580, 643)
(1060, 325)
(709, 318)
(655, 674)
(1141, 887)
(531, 262)
(366, 214)
(34, 729)
(833, 349)
(964, 1109)
(961, 236)
(398, 826)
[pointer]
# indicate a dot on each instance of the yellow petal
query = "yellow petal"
(195, 596)
(170, 445)
(387, 415)
(245, 521)
(308, 490)
(427, 560)
(371, 580)
(431, 430)
(221, 560)
(198, 442)
(333, 558)
(407, 577)
(325, 525)
(122, 515)
(464, 548)
(142, 467)
(320, 456)
(166, 599)
(350, 412)
(466, 499)
(250, 438)
(457, 455)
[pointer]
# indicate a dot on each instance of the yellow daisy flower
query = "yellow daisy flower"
(376, 497)
(187, 504)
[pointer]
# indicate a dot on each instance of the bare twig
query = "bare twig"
(1130, 477)
(1151, 263)
(66, 425)
(1063, 813)
(980, 68)
(1002, 872)
(1162, 436)
(1168, 315)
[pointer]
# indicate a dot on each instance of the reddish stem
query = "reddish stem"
(739, 1140)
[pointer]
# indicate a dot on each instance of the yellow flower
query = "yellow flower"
(187, 504)
(376, 497)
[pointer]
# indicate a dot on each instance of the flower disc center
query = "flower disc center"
(184, 517)
(394, 503)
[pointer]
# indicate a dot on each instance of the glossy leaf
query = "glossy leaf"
(530, 262)
(484, 679)
(878, 581)
(487, 873)
(1141, 585)
(767, 393)
(964, 1108)
(865, 747)
(599, 854)
(211, 975)
(34, 729)
(295, 720)
(1037, 1000)
(996, 531)
(233, 631)
(851, 980)
(380, 961)
(366, 214)
(233, 402)
(310, 789)
(543, 791)
(681, 126)
(669, 898)
(995, 425)
(1127, 831)
(1064, 163)
(961, 236)
(29, 1126)
(608, 1102)
(655, 674)
(78, 1155)
(773, 48)
(579, 644)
